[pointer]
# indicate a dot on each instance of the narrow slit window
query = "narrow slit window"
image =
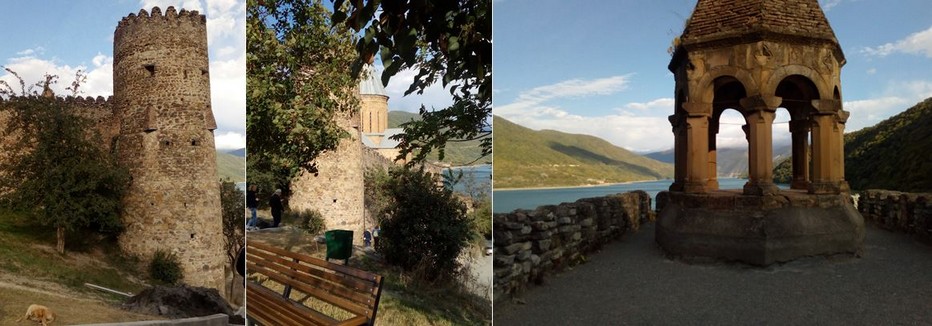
(150, 69)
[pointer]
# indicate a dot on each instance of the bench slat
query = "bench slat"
(283, 277)
(273, 308)
(319, 262)
(317, 271)
(355, 291)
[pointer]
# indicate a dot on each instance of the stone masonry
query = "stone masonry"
(910, 213)
(337, 189)
(161, 93)
(530, 244)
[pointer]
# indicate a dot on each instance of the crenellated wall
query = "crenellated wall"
(530, 244)
(910, 213)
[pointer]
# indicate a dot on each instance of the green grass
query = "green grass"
(27, 250)
(456, 153)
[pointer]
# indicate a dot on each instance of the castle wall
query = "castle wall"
(337, 189)
(910, 213)
(532, 243)
(162, 95)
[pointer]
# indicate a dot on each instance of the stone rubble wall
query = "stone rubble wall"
(910, 213)
(530, 244)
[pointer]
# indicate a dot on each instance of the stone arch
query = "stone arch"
(797, 93)
(727, 93)
(706, 87)
(781, 73)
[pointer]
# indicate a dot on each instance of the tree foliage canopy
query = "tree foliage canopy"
(54, 167)
(423, 226)
(445, 41)
(297, 82)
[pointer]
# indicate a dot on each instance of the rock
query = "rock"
(180, 301)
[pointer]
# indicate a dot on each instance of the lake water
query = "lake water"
(475, 178)
(505, 201)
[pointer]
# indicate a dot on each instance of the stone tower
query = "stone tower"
(337, 189)
(755, 57)
(373, 105)
(161, 96)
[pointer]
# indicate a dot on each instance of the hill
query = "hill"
(730, 161)
(547, 158)
(238, 152)
(456, 152)
(231, 167)
(893, 154)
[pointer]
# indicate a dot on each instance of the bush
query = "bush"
(309, 220)
(424, 227)
(165, 267)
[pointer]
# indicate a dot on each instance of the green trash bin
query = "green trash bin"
(339, 244)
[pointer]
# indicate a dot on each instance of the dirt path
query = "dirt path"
(69, 307)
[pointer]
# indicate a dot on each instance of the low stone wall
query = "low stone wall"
(532, 243)
(910, 213)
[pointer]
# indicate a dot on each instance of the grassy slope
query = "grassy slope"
(456, 153)
(547, 158)
(231, 167)
(893, 154)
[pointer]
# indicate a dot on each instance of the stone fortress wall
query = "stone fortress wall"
(337, 189)
(910, 213)
(160, 124)
(530, 244)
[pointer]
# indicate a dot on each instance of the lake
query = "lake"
(505, 201)
(477, 178)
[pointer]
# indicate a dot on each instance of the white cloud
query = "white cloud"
(897, 97)
(919, 43)
(871, 71)
(531, 102)
(434, 96)
(229, 140)
(32, 69)
(660, 103)
(829, 4)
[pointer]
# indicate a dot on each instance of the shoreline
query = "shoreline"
(574, 187)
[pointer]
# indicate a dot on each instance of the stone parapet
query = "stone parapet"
(530, 244)
(910, 213)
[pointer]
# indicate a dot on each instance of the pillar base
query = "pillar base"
(799, 184)
(695, 187)
(831, 187)
(760, 188)
(758, 230)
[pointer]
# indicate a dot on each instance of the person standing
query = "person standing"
(252, 203)
(375, 237)
(276, 204)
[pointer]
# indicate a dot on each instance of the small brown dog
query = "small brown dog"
(39, 313)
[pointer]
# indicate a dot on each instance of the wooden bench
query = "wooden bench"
(309, 284)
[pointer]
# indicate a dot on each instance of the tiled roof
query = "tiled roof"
(721, 19)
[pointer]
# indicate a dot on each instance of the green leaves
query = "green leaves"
(446, 40)
(298, 87)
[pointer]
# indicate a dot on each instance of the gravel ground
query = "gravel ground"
(631, 283)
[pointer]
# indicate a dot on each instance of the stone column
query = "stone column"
(799, 128)
(697, 147)
(826, 148)
(679, 152)
(713, 158)
(760, 111)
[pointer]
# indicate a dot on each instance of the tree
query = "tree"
(424, 227)
(445, 41)
(55, 168)
(297, 82)
(233, 210)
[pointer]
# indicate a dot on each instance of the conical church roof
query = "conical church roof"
(371, 85)
(719, 20)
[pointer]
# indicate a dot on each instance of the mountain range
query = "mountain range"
(456, 152)
(547, 158)
(231, 165)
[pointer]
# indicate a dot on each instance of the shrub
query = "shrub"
(424, 227)
(309, 220)
(165, 267)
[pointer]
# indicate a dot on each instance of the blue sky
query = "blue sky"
(61, 36)
(599, 67)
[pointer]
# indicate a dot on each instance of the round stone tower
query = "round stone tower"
(161, 96)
